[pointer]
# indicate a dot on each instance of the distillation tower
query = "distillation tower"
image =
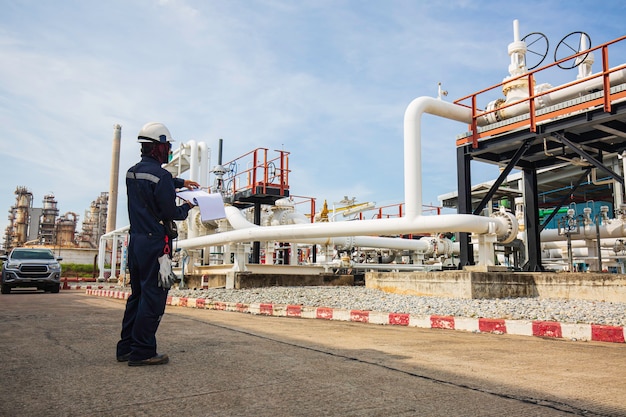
(95, 222)
(47, 232)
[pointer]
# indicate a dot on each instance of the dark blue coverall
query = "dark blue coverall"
(146, 304)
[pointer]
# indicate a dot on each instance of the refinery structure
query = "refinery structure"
(556, 209)
(557, 206)
(43, 226)
(32, 226)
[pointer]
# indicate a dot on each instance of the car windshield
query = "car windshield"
(32, 254)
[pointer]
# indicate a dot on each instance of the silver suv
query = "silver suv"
(31, 267)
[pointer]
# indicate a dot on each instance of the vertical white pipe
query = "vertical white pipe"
(413, 145)
(583, 43)
(192, 230)
(516, 37)
(193, 160)
(204, 164)
(181, 152)
(101, 257)
(411, 223)
(114, 256)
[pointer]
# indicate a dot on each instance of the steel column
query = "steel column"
(531, 225)
(464, 206)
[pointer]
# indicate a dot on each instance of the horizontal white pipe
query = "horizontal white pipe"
(238, 222)
(576, 253)
(377, 266)
(559, 96)
(576, 243)
(292, 233)
(615, 229)
(413, 222)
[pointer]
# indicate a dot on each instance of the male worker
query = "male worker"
(151, 194)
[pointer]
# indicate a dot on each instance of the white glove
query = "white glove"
(166, 276)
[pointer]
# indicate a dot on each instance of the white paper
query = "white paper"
(211, 205)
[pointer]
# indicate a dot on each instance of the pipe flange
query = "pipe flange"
(495, 116)
(509, 225)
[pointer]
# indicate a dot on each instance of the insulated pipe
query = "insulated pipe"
(238, 222)
(103, 246)
(558, 245)
(204, 164)
(584, 62)
(413, 222)
(193, 160)
(559, 96)
(290, 233)
(413, 145)
(192, 229)
(615, 229)
(577, 252)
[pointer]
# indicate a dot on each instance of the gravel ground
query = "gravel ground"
(361, 298)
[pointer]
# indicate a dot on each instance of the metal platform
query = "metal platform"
(556, 150)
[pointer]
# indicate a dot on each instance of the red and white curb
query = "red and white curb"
(582, 332)
(88, 287)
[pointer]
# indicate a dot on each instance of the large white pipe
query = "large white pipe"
(291, 233)
(413, 222)
(615, 229)
(204, 164)
(193, 160)
(413, 145)
(579, 243)
(577, 252)
(238, 222)
(555, 97)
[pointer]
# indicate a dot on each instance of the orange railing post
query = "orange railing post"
(605, 78)
(531, 102)
(474, 123)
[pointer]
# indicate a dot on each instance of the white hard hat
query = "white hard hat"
(154, 132)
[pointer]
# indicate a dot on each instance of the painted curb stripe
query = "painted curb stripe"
(497, 326)
(601, 333)
(550, 329)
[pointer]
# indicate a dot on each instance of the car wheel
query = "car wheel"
(55, 288)
(5, 289)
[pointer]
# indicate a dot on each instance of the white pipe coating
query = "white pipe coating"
(204, 164)
(291, 233)
(238, 222)
(413, 222)
(578, 243)
(615, 229)
(413, 145)
(193, 160)
(559, 96)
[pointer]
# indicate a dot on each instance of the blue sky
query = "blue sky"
(328, 81)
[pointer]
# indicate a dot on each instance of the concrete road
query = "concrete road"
(58, 359)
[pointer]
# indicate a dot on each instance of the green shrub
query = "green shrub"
(86, 270)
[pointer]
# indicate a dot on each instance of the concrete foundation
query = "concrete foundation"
(474, 284)
(253, 280)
